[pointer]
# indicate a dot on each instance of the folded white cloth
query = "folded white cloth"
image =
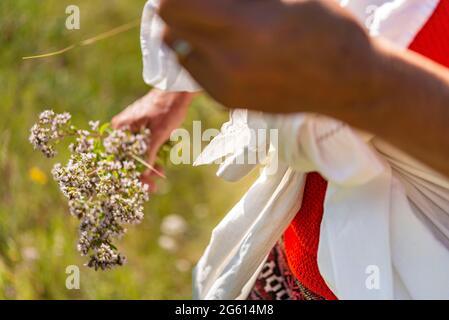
(384, 211)
(160, 67)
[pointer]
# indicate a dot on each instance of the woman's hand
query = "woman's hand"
(312, 56)
(159, 111)
(274, 56)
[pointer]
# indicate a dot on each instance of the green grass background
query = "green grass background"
(37, 235)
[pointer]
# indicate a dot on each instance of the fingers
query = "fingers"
(153, 150)
(196, 13)
(120, 121)
(203, 15)
(197, 41)
(203, 62)
(131, 118)
(125, 122)
(150, 178)
(199, 54)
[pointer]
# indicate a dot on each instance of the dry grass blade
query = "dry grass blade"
(102, 36)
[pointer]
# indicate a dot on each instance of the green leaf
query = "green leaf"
(105, 126)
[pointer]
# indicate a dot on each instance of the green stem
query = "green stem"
(149, 166)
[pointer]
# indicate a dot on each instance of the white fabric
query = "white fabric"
(160, 67)
(382, 208)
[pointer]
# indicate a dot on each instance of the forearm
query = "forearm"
(411, 109)
(314, 56)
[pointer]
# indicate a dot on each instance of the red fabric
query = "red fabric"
(301, 238)
(432, 40)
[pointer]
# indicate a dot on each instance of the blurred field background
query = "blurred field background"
(37, 235)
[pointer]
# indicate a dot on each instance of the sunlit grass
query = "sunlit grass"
(37, 236)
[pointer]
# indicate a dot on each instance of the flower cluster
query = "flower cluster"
(100, 181)
(50, 128)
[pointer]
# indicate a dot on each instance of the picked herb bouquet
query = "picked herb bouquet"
(100, 181)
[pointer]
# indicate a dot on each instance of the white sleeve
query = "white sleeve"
(160, 67)
(309, 142)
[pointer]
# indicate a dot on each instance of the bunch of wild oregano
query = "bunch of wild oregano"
(100, 181)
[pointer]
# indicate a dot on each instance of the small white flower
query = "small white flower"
(30, 253)
(168, 243)
(173, 225)
(94, 125)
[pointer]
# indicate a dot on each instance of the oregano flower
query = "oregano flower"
(100, 181)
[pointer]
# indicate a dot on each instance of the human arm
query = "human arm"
(313, 56)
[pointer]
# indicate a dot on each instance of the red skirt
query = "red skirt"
(291, 270)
